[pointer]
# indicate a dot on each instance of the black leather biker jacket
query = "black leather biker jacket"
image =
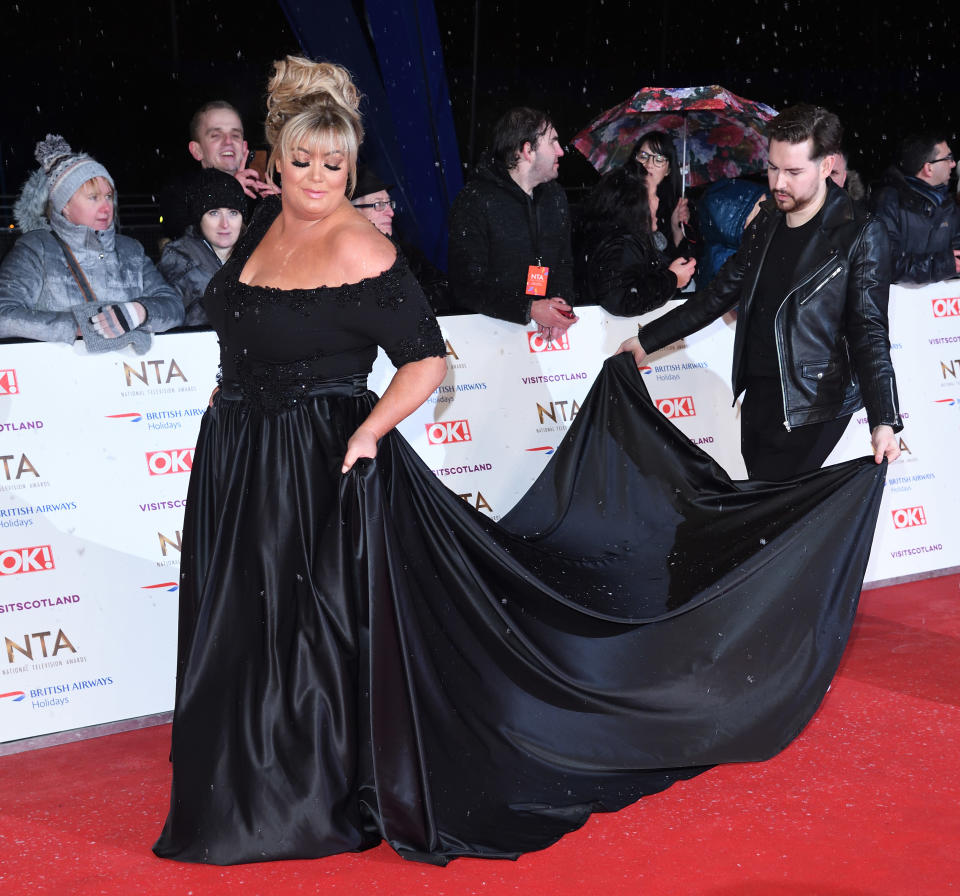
(831, 327)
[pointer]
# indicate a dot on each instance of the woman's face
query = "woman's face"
(91, 205)
(655, 163)
(314, 181)
(221, 227)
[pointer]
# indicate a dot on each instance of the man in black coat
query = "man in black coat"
(811, 285)
(510, 255)
(916, 206)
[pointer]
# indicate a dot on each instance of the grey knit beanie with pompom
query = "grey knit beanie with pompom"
(62, 172)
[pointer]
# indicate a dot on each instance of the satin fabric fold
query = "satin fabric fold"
(367, 657)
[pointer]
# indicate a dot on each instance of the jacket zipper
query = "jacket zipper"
(820, 286)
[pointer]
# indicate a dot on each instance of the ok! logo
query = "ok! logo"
(677, 407)
(175, 460)
(946, 307)
(443, 432)
(905, 517)
(538, 344)
(8, 382)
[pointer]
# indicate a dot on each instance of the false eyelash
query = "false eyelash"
(297, 164)
(332, 167)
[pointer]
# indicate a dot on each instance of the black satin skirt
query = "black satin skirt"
(367, 658)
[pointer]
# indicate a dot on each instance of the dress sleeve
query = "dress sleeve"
(396, 315)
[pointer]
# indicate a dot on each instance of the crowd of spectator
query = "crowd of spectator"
(517, 251)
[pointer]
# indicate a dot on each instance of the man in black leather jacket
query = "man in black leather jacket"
(811, 285)
(918, 210)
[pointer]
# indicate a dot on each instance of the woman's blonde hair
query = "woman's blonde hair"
(310, 103)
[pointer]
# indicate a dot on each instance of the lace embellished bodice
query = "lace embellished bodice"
(277, 343)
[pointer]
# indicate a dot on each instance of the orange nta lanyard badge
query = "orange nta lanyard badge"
(537, 280)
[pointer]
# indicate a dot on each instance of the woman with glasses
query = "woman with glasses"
(617, 264)
(656, 154)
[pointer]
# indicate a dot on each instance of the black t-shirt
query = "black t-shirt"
(776, 278)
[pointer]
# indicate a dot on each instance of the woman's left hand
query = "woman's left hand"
(115, 320)
(363, 443)
(681, 214)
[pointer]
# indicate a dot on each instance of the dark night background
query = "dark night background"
(121, 80)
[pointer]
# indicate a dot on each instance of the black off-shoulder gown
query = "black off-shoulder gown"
(366, 658)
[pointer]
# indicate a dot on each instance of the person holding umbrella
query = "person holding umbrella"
(617, 263)
(655, 152)
(811, 282)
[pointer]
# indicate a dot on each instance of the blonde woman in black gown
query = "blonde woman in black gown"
(363, 657)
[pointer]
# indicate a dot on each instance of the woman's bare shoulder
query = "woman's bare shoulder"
(360, 250)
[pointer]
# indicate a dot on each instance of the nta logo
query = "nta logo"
(61, 642)
(677, 407)
(19, 560)
(8, 382)
(177, 460)
(538, 344)
(446, 431)
(946, 307)
(23, 466)
(558, 409)
(908, 516)
(161, 374)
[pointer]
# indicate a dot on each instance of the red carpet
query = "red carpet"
(863, 803)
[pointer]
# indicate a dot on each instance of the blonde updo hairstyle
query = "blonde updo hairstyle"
(310, 104)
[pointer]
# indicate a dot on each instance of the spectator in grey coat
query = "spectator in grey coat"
(70, 273)
(218, 207)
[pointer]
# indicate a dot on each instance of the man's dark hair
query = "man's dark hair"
(805, 122)
(516, 127)
(915, 150)
(203, 110)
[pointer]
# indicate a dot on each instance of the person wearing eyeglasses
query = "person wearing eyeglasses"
(917, 209)
(810, 284)
(656, 153)
(372, 199)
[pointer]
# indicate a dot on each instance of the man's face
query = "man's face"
(797, 181)
(546, 157)
(382, 219)
(220, 142)
(941, 165)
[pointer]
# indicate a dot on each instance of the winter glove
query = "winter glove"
(115, 320)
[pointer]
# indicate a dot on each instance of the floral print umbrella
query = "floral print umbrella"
(721, 134)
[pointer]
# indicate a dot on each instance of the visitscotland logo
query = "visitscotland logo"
(906, 517)
(8, 382)
(946, 307)
(176, 460)
(448, 431)
(15, 561)
(677, 407)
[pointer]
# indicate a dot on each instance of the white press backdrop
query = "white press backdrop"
(95, 454)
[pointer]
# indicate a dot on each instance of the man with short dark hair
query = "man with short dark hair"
(216, 141)
(919, 213)
(510, 255)
(810, 281)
